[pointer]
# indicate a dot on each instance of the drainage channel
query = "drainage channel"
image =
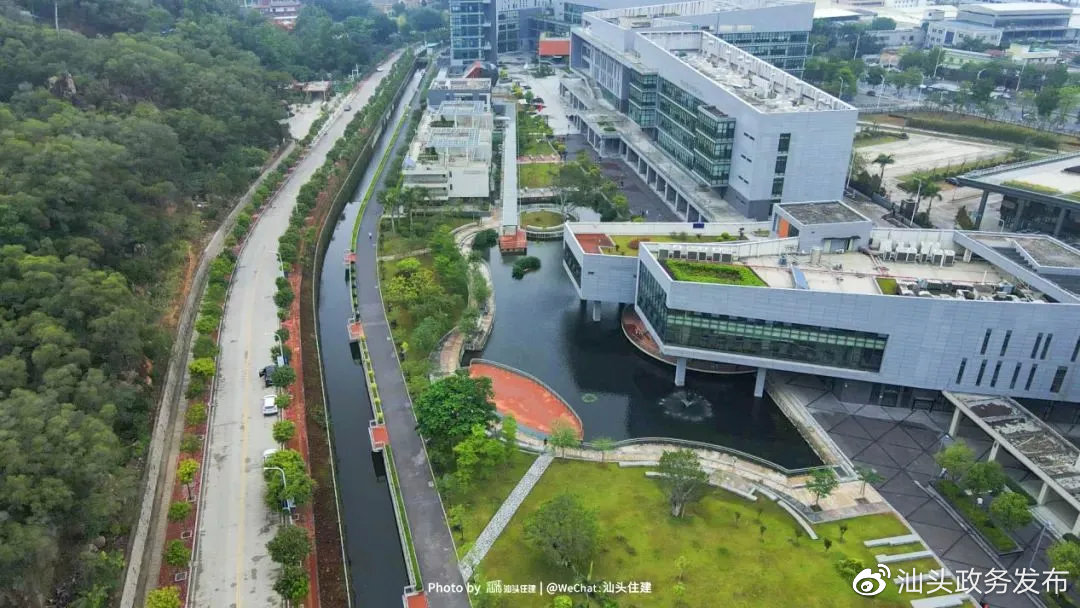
(376, 565)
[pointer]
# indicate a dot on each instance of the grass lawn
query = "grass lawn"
(712, 272)
(486, 496)
(537, 175)
(729, 565)
(541, 219)
(626, 244)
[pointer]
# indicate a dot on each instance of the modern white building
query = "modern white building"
(819, 290)
(450, 156)
(709, 119)
(1004, 23)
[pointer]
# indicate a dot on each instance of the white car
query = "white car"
(379, 69)
(269, 405)
(269, 453)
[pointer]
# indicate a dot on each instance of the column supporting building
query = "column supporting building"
(680, 371)
(759, 383)
(596, 310)
(954, 424)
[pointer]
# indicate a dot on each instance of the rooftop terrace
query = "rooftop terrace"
(1021, 431)
(479, 85)
(1057, 176)
(829, 212)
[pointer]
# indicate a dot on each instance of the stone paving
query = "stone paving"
(503, 516)
(900, 443)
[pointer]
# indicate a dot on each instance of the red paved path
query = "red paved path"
(531, 404)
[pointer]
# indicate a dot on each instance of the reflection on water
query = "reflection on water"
(542, 328)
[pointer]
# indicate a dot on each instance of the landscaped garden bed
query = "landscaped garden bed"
(975, 515)
(628, 244)
(712, 272)
(724, 551)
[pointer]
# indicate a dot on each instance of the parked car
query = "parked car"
(952, 180)
(348, 108)
(266, 374)
(269, 405)
(269, 453)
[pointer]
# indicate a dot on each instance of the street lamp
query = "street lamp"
(857, 40)
(1020, 76)
(938, 65)
(922, 79)
(841, 95)
(284, 482)
(812, 48)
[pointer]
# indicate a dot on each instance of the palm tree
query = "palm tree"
(883, 160)
(411, 199)
(930, 191)
(390, 199)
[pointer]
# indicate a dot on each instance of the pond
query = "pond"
(541, 327)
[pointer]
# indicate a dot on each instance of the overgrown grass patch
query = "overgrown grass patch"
(712, 272)
(537, 175)
(627, 244)
(728, 564)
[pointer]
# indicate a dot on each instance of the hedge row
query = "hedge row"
(975, 515)
(988, 130)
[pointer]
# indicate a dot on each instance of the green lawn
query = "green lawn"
(729, 565)
(712, 272)
(541, 219)
(537, 175)
(485, 497)
(627, 244)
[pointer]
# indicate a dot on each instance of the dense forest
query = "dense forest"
(123, 138)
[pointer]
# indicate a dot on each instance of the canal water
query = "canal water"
(541, 327)
(376, 566)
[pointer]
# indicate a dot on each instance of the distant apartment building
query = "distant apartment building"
(706, 119)
(775, 30)
(1005, 23)
(282, 12)
(450, 156)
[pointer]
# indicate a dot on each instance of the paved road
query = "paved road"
(232, 568)
(434, 545)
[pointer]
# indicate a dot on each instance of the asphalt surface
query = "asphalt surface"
(231, 567)
(427, 521)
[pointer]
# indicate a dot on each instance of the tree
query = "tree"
(164, 597)
(179, 511)
(562, 601)
(956, 459)
(202, 368)
(828, 544)
(292, 583)
(297, 484)
(822, 482)
(682, 478)
(185, 473)
(603, 445)
(283, 376)
(1065, 556)
(290, 545)
(882, 24)
(508, 432)
(1046, 101)
(1010, 509)
(984, 477)
(883, 160)
(563, 435)
(564, 531)
(867, 476)
(477, 454)
(177, 553)
(449, 408)
(283, 431)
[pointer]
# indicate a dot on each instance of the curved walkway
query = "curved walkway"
(532, 404)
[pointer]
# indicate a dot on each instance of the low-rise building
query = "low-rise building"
(1005, 23)
(282, 12)
(450, 156)
(444, 88)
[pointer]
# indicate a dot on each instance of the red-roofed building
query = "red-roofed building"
(554, 48)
